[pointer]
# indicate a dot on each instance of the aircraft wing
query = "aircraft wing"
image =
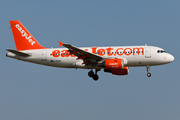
(81, 54)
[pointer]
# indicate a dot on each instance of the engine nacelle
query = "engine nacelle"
(112, 64)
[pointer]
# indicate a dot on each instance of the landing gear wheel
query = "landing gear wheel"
(95, 77)
(91, 73)
(148, 69)
(149, 74)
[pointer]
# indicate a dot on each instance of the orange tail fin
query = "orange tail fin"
(22, 37)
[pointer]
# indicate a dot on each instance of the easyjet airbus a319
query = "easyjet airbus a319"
(113, 59)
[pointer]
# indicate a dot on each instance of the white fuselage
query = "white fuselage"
(115, 60)
(132, 55)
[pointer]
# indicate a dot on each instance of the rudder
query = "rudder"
(22, 37)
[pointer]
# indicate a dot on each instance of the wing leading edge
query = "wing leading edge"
(86, 56)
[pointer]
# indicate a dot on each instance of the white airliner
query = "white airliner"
(115, 60)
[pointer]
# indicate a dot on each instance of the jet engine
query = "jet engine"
(114, 66)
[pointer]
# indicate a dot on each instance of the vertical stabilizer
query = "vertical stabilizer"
(23, 38)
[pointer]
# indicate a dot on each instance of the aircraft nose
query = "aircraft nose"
(171, 58)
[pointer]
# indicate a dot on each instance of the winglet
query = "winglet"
(60, 43)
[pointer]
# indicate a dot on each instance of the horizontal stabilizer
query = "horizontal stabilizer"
(18, 53)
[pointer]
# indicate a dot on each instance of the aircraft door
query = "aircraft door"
(148, 52)
(43, 55)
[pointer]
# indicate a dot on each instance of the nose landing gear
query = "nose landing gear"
(149, 74)
(94, 75)
(148, 69)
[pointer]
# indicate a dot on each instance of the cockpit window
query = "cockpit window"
(161, 51)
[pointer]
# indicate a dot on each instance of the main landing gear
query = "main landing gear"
(148, 69)
(94, 75)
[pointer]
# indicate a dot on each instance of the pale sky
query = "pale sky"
(35, 92)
